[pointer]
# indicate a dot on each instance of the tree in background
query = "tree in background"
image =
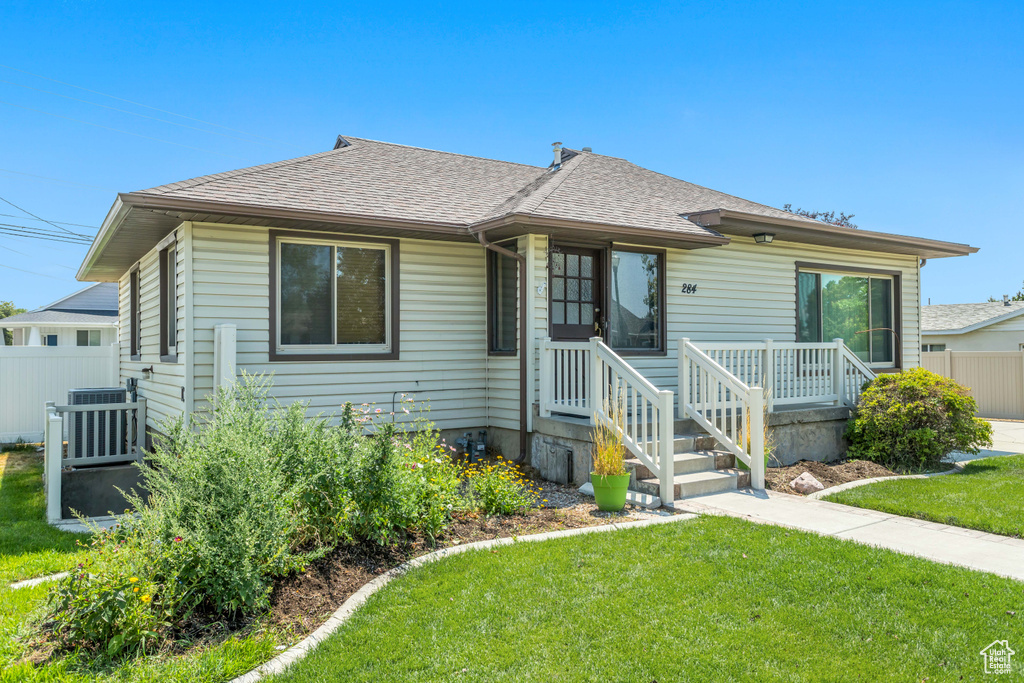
(7, 309)
(1019, 296)
(830, 217)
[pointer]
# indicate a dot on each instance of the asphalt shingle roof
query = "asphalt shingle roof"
(958, 316)
(43, 317)
(384, 180)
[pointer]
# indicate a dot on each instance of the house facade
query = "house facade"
(89, 317)
(374, 270)
(990, 326)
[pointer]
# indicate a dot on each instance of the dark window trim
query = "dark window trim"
(167, 316)
(897, 301)
(662, 298)
(135, 312)
(392, 354)
(491, 256)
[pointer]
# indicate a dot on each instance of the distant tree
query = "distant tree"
(1019, 296)
(830, 217)
(8, 309)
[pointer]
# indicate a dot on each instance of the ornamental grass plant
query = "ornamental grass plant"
(609, 453)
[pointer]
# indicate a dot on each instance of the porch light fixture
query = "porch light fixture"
(764, 237)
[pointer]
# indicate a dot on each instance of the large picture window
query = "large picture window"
(636, 320)
(334, 297)
(502, 293)
(857, 308)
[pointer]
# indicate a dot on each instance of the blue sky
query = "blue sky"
(905, 114)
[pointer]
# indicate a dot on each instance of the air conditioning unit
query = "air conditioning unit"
(87, 442)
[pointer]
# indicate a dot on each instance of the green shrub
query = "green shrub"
(499, 488)
(915, 419)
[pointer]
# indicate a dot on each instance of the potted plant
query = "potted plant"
(609, 476)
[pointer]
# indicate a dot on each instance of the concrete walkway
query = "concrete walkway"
(1007, 439)
(947, 544)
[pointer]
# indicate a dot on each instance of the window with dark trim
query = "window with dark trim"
(87, 337)
(636, 319)
(502, 294)
(135, 313)
(333, 297)
(168, 304)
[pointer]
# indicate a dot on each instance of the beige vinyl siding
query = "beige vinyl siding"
(1004, 336)
(443, 351)
(503, 375)
(163, 388)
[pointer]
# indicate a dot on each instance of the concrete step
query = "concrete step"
(686, 463)
(695, 484)
(645, 500)
(684, 443)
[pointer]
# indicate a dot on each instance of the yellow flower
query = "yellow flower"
(146, 598)
(135, 590)
(133, 579)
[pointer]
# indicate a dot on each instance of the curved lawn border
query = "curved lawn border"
(818, 495)
(28, 583)
(344, 613)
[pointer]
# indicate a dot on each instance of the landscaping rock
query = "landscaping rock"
(806, 483)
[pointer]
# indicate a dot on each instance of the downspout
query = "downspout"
(523, 340)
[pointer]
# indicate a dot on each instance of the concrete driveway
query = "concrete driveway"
(1007, 439)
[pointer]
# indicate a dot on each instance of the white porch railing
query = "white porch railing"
(588, 379)
(730, 410)
(793, 372)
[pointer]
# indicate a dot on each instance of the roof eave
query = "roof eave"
(977, 326)
(526, 222)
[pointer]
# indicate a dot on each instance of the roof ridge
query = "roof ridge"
(547, 189)
(439, 151)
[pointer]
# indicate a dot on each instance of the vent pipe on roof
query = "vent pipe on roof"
(588, 149)
(558, 153)
(1006, 299)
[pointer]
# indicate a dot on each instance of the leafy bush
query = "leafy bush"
(499, 488)
(915, 419)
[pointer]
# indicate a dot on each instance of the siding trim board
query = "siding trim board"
(394, 294)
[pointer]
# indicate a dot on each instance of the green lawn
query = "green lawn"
(30, 547)
(705, 600)
(988, 495)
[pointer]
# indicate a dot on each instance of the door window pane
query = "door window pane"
(882, 337)
(572, 265)
(305, 294)
(503, 301)
(558, 288)
(587, 266)
(572, 314)
(635, 318)
(361, 276)
(558, 264)
(808, 308)
(558, 313)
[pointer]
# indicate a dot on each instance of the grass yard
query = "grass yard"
(705, 600)
(988, 495)
(30, 547)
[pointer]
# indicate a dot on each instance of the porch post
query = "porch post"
(769, 373)
(666, 449)
(757, 438)
(838, 370)
(546, 377)
(684, 377)
(596, 402)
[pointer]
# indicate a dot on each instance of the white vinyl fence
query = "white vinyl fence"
(32, 375)
(995, 378)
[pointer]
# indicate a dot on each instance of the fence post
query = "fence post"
(666, 449)
(756, 438)
(53, 453)
(596, 402)
(546, 377)
(224, 345)
(684, 377)
(769, 372)
(949, 364)
(838, 371)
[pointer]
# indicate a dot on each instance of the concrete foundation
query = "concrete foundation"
(93, 491)
(561, 449)
(808, 434)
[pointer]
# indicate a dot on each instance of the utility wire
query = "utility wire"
(133, 113)
(57, 180)
(22, 270)
(16, 233)
(77, 225)
(139, 104)
(35, 216)
(118, 130)
(32, 230)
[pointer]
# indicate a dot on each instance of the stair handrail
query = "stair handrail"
(851, 394)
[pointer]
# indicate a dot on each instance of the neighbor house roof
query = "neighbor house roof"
(963, 318)
(384, 188)
(93, 306)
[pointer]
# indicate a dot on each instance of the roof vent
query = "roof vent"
(588, 149)
(558, 153)
(1006, 299)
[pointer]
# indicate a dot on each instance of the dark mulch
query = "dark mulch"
(829, 474)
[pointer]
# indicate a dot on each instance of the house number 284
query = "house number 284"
(689, 289)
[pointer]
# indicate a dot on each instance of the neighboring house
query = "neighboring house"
(86, 318)
(370, 271)
(993, 326)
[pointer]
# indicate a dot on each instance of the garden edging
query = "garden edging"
(818, 495)
(344, 613)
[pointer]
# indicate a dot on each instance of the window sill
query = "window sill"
(307, 357)
(503, 354)
(135, 356)
(627, 353)
(169, 358)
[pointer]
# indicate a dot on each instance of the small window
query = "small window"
(636, 320)
(88, 337)
(50, 340)
(933, 348)
(502, 295)
(334, 297)
(168, 304)
(135, 312)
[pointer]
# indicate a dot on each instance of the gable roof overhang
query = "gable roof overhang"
(799, 230)
(516, 224)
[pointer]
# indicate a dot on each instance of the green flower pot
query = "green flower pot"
(610, 491)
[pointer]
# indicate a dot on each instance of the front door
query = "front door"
(576, 288)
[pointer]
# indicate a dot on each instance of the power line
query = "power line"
(118, 130)
(18, 233)
(33, 230)
(35, 216)
(133, 113)
(22, 270)
(77, 225)
(57, 180)
(139, 104)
